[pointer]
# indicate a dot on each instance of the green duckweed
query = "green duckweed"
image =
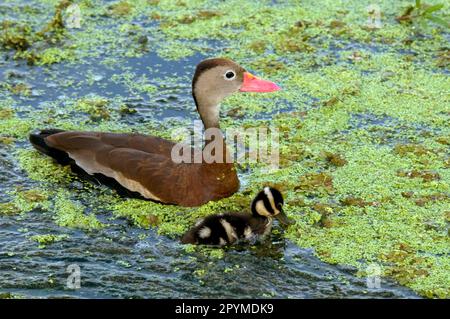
(362, 117)
(47, 239)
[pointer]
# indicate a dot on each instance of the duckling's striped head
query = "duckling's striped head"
(269, 203)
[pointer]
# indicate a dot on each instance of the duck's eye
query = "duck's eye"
(229, 75)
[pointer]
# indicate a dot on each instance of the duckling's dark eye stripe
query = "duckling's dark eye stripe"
(269, 195)
(277, 196)
(267, 205)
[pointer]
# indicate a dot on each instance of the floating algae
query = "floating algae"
(47, 239)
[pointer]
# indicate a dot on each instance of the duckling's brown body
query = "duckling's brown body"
(143, 164)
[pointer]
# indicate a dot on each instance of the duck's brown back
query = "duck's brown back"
(143, 164)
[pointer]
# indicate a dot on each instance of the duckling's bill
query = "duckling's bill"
(284, 219)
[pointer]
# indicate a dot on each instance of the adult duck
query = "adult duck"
(143, 164)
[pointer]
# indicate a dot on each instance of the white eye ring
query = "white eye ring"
(230, 73)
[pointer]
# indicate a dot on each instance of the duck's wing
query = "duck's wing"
(73, 140)
(139, 163)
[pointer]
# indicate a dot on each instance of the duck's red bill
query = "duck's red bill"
(254, 84)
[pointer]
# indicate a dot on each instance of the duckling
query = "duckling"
(229, 228)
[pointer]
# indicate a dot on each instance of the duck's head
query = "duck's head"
(217, 78)
(269, 203)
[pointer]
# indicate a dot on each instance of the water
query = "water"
(115, 263)
(123, 261)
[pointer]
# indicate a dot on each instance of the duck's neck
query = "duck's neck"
(210, 119)
(208, 108)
